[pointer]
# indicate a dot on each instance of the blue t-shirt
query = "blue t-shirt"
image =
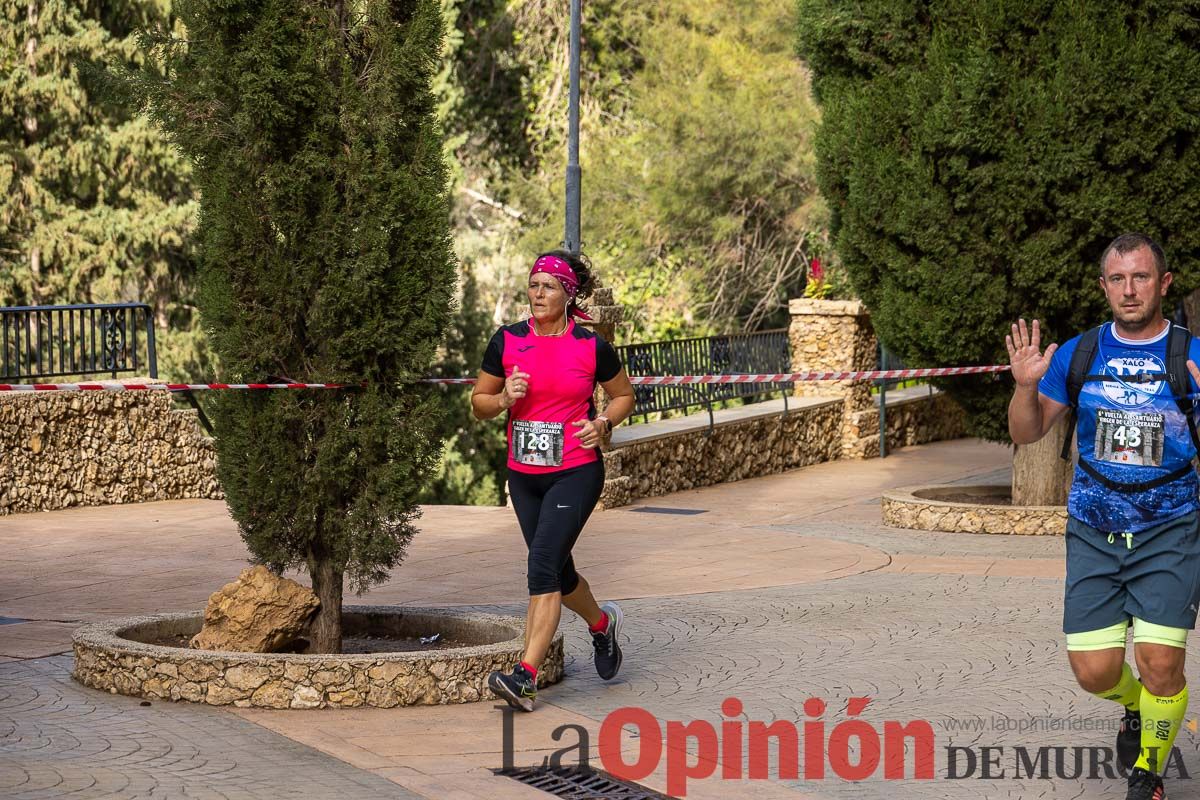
(1128, 432)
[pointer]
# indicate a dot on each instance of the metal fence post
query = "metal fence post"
(571, 239)
(882, 404)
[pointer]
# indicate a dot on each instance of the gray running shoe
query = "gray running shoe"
(519, 689)
(608, 648)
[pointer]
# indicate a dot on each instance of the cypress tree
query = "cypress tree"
(978, 155)
(325, 257)
(474, 458)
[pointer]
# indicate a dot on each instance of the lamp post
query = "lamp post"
(574, 173)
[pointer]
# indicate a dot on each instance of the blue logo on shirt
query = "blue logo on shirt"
(1132, 395)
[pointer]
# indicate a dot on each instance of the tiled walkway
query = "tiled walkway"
(787, 588)
(58, 739)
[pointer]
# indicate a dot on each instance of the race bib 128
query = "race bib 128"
(537, 443)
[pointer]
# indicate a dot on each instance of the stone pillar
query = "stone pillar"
(836, 335)
(605, 314)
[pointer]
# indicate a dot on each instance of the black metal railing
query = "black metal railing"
(52, 341)
(739, 353)
(887, 360)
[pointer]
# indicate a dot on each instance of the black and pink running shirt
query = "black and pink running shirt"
(563, 373)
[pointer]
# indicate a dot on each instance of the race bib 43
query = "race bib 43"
(1123, 437)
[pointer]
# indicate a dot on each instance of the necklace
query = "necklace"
(533, 327)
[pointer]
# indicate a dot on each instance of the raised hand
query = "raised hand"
(516, 386)
(1029, 364)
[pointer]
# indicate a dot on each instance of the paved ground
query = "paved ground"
(58, 739)
(787, 588)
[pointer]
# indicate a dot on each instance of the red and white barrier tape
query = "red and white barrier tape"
(165, 387)
(651, 380)
(798, 377)
(788, 377)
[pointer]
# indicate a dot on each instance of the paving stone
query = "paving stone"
(59, 739)
(952, 650)
(957, 650)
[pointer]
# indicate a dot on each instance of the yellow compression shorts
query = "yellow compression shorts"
(1114, 636)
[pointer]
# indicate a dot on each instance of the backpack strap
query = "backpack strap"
(1144, 486)
(1179, 341)
(1081, 361)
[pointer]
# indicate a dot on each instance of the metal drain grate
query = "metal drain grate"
(661, 510)
(576, 783)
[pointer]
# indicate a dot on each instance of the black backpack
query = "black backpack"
(1179, 339)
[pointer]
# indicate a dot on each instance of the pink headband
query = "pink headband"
(553, 265)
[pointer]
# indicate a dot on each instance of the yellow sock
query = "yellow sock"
(1127, 692)
(1161, 717)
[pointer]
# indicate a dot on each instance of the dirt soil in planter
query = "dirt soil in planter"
(352, 645)
(974, 499)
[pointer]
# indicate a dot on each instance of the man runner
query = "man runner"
(1133, 538)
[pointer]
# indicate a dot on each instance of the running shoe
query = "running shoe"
(608, 648)
(1145, 785)
(1129, 739)
(519, 689)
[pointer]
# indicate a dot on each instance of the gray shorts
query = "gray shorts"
(1156, 580)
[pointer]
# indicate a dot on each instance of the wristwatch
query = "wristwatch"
(608, 426)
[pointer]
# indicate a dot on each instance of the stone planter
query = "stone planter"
(115, 657)
(928, 508)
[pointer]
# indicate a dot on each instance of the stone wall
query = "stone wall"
(827, 420)
(653, 459)
(643, 464)
(913, 417)
(99, 448)
(836, 335)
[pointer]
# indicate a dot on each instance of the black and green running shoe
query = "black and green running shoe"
(519, 689)
(1145, 785)
(1129, 739)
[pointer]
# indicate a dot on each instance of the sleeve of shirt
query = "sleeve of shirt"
(1054, 383)
(493, 356)
(608, 366)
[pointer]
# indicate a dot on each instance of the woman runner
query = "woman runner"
(543, 371)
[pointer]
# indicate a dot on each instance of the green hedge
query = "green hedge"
(978, 155)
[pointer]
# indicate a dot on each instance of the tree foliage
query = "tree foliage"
(95, 206)
(978, 156)
(474, 457)
(325, 256)
(704, 200)
(700, 203)
(699, 198)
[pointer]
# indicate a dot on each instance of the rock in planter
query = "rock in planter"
(260, 612)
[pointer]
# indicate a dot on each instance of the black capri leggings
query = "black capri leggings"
(552, 508)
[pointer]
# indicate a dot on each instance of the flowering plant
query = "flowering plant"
(816, 288)
(826, 283)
